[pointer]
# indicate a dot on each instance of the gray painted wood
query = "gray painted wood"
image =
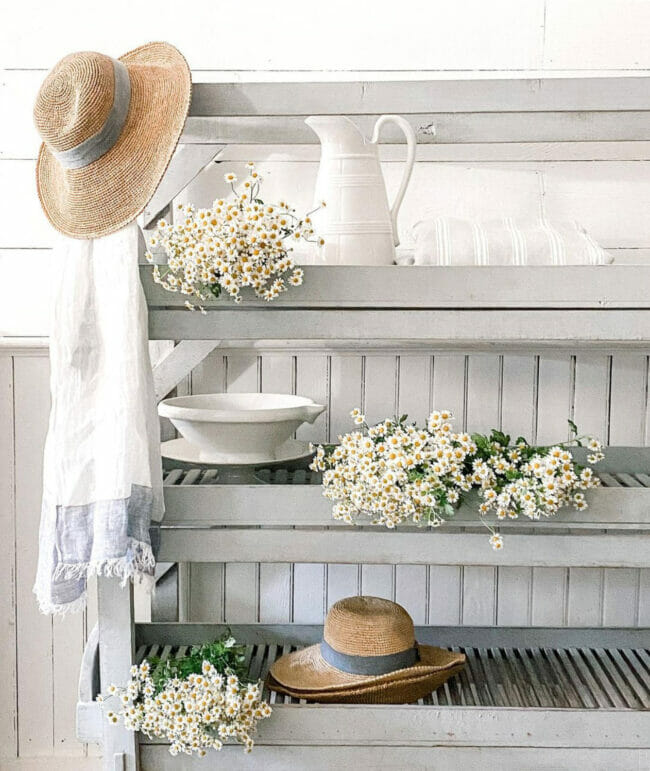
(410, 286)
(472, 397)
(454, 329)
(287, 504)
(178, 363)
(186, 163)
(510, 94)
(355, 725)
(8, 661)
(430, 127)
(436, 634)
(349, 546)
(116, 655)
(272, 758)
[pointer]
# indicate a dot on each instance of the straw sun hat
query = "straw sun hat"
(368, 655)
(109, 129)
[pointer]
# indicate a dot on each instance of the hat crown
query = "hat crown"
(368, 626)
(75, 100)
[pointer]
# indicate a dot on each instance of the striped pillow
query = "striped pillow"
(452, 241)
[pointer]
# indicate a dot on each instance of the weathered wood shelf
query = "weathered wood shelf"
(209, 522)
(459, 307)
(524, 688)
(611, 287)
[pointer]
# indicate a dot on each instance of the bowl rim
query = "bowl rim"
(177, 408)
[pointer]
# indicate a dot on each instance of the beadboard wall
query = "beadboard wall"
(606, 186)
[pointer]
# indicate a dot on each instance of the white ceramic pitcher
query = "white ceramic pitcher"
(358, 225)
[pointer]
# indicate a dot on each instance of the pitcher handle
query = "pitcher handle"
(410, 160)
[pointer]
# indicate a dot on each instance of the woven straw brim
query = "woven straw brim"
(102, 197)
(307, 671)
(405, 690)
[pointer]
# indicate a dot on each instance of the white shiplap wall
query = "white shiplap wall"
(604, 187)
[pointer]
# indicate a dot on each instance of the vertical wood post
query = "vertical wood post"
(116, 655)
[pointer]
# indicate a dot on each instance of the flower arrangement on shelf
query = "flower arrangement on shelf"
(239, 242)
(196, 702)
(395, 472)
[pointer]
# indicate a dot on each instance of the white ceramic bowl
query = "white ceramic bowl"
(239, 428)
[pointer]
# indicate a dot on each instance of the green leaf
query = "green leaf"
(226, 656)
(480, 441)
(572, 426)
(447, 511)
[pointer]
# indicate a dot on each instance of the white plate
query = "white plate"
(189, 455)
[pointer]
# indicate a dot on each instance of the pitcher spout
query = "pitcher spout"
(337, 130)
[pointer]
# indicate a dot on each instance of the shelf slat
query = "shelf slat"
(415, 548)
(444, 329)
(304, 505)
(596, 287)
(511, 694)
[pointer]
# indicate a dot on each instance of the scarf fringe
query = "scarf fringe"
(137, 565)
(47, 607)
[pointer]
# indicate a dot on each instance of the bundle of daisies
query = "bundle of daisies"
(197, 702)
(396, 472)
(238, 242)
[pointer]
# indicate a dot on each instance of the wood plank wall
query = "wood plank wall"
(39, 665)
(532, 394)
(604, 186)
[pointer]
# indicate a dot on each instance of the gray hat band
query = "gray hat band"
(98, 144)
(369, 665)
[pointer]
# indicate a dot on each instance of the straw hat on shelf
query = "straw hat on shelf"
(109, 129)
(368, 655)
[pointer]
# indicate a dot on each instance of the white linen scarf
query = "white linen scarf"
(102, 477)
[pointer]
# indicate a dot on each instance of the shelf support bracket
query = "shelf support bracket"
(178, 363)
(186, 164)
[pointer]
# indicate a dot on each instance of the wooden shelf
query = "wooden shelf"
(209, 522)
(464, 307)
(525, 688)
(595, 287)
(530, 698)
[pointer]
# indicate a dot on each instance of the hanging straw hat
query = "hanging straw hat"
(368, 655)
(109, 129)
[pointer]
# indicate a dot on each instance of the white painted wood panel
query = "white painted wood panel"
(8, 626)
(517, 418)
(35, 631)
(603, 197)
(379, 401)
(591, 389)
(278, 375)
(318, 41)
(628, 404)
(242, 580)
(346, 393)
(448, 391)
(414, 384)
(309, 580)
(582, 191)
(483, 389)
(570, 23)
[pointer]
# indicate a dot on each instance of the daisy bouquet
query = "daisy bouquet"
(197, 702)
(239, 242)
(396, 472)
